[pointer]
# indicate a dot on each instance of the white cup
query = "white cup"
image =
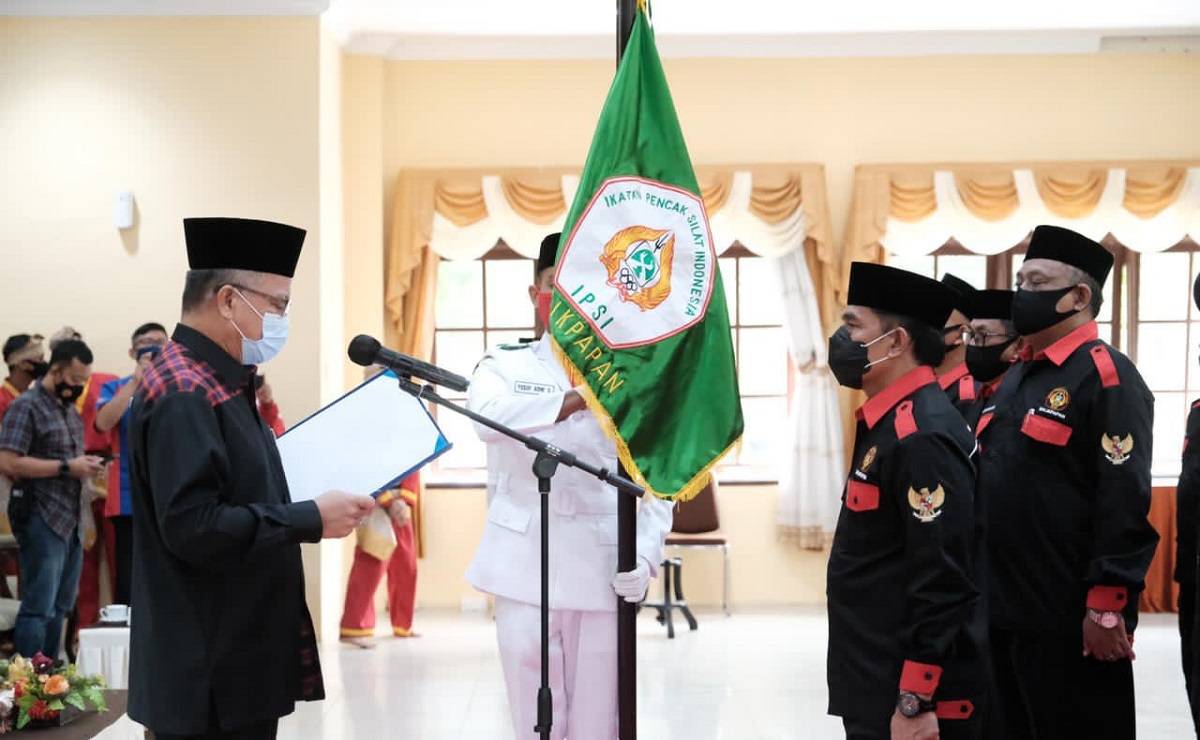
(115, 613)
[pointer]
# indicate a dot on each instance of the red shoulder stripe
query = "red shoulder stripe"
(1104, 363)
(966, 388)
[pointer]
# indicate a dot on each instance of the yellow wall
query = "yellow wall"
(231, 116)
(839, 112)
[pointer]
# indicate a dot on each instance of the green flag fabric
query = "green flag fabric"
(639, 317)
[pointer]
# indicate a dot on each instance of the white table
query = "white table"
(105, 650)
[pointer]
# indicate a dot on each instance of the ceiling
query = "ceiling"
(564, 29)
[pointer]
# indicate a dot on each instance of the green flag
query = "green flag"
(639, 316)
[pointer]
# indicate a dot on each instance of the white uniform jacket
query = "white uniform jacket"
(523, 387)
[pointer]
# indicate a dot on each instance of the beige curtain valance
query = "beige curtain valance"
(914, 209)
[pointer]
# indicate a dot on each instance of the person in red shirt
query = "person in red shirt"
(101, 544)
(26, 361)
(358, 616)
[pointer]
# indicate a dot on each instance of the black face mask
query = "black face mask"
(66, 392)
(1035, 310)
(985, 364)
(39, 369)
(848, 358)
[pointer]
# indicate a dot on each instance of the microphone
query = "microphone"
(365, 350)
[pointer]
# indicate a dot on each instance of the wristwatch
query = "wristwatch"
(910, 705)
(1107, 620)
(64, 468)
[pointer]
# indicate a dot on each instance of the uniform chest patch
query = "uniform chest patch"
(868, 459)
(926, 504)
(1117, 450)
(528, 388)
(1058, 399)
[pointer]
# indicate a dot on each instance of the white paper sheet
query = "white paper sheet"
(367, 440)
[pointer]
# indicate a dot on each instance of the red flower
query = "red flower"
(39, 710)
(41, 663)
(18, 689)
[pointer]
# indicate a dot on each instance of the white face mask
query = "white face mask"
(274, 336)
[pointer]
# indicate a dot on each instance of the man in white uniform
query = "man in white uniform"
(524, 387)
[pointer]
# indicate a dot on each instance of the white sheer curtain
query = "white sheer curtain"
(811, 474)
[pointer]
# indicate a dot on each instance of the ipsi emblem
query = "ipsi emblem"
(1058, 399)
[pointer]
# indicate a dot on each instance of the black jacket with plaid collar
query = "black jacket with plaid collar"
(221, 634)
(904, 606)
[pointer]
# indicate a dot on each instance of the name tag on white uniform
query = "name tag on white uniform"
(526, 388)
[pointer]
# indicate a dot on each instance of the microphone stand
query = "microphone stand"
(545, 464)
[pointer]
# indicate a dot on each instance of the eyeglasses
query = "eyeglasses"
(280, 305)
(983, 338)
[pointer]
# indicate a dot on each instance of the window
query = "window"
(1148, 314)
(480, 304)
(483, 303)
(752, 293)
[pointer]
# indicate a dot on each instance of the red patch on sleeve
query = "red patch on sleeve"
(862, 496)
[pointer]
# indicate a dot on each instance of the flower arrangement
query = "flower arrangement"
(40, 690)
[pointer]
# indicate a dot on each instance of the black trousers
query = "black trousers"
(123, 568)
(1187, 633)
(261, 731)
(1046, 690)
(948, 729)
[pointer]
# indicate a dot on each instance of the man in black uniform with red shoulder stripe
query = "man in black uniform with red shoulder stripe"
(907, 654)
(1187, 505)
(1065, 481)
(954, 375)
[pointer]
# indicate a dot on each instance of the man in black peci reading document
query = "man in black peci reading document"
(223, 644)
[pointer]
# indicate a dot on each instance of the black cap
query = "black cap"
(1070, 248)
(242, 244)
(895, 291)
(992, 304)
(963, 290)
(548, 256)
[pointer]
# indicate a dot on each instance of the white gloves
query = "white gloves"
(631, 585)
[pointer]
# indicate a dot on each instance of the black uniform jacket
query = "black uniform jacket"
(964, 392)
(1064, 479)
(221, 624)
(1187, 502)
(904, 610)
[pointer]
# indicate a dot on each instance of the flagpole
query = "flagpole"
(626, 517)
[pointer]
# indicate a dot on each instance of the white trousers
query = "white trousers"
(583, 669)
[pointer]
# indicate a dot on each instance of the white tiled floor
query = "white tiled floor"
(755, 676)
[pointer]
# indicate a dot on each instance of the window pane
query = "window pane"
(1106, 311)
(766, 434)
(458, 351)
(1170, 422)
(922, 265)
(1193, 369)
(468, 450)
(1164, 291)
(1106, 332)
(508, 283)
(459, 295)
(761, 302)
(969, 267)
(1163, 355)
(728, 267)
(763, 368)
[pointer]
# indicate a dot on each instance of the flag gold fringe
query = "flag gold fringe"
(689, 491)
